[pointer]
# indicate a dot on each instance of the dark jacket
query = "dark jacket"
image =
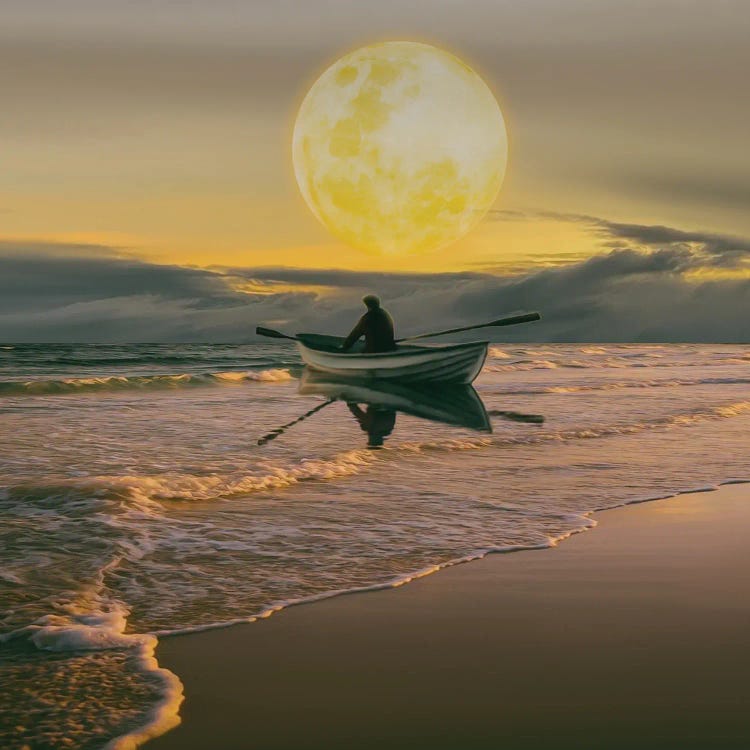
(376, 325)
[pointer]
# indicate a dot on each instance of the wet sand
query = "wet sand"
(633, 635)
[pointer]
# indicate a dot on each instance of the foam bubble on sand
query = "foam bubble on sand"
(90, 623)
(87, 621)
(88, 632)
(163, 715)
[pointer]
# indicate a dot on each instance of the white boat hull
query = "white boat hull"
(452, 363)
(449, 403)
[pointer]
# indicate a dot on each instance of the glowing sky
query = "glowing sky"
(165, 128)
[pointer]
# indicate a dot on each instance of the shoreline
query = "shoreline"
(587, 519)
(320, 676)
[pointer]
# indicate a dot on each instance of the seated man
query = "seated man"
(376, 325)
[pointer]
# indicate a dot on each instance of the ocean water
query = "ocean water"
(151, 490)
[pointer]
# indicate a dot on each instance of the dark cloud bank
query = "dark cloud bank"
(639, 290)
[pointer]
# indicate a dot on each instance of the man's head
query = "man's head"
(372, 301)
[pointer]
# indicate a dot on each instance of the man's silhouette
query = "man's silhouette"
(376, 325)
(378, 422)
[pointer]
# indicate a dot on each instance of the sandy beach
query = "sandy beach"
(633, 634)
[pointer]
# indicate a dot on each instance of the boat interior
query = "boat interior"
(323, 343)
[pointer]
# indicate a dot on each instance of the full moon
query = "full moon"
(399, 148)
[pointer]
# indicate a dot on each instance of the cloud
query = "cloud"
(701, 249)
(639, 291)
(93, 293)
(624, 295)
(41, 276)
(341, 278)
(708, 249)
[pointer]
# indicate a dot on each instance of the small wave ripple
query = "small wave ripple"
(134, 382)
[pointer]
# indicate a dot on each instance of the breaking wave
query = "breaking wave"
(597, 358)
(148, 492)
(495, 352)
(143, 382)
(630, 384)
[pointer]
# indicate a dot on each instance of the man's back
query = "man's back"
(379, 335)
(376, 325)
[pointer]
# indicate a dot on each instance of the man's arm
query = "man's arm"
(356, 334)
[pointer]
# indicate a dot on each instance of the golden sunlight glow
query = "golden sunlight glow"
(399, 147)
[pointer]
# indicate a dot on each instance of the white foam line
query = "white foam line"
(165, 714)
(587, 524)
(384, 586)
(666, 495)
(109, 633)
(394, 583)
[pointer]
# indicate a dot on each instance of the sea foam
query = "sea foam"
(146, 490)
(142, 382)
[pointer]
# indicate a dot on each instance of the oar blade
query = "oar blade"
(516, 416)
(513, 320)
(271, 334)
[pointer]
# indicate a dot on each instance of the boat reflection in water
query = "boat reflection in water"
(375, 403)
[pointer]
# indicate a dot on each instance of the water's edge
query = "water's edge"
(165, 716)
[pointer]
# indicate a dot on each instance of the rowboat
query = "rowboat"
(451, 363)
(407, 362)
(448, 403)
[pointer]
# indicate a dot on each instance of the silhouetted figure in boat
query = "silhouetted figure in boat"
(376, 421)
(376, 325)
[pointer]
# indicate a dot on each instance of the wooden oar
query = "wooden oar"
(517, 416)
(510, 320)
(280, 430)
(273, 334)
